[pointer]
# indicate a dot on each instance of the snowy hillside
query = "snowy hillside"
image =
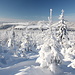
(14, 60)
(37, 48)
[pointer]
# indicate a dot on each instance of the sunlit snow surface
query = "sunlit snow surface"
(28, 66)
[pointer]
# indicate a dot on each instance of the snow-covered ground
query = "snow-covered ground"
(30, 67)
(14, 60)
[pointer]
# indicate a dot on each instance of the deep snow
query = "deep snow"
(29, 66)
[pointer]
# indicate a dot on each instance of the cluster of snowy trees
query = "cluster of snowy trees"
(57, 49)
(54, 51)
(12, 47)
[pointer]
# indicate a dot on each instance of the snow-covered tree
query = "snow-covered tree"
(49, 55)
(68, 50)
(57, 47)
(69, 55)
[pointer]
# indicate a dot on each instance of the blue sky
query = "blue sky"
(36, 9)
